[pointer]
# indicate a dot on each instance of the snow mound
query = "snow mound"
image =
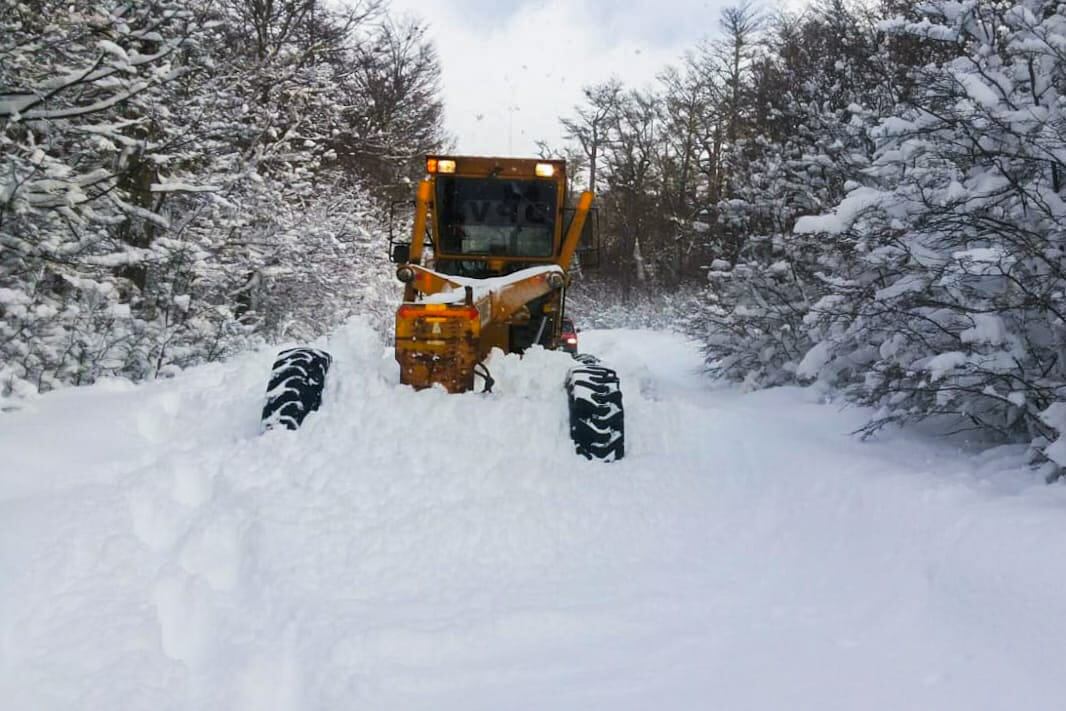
(418, 550)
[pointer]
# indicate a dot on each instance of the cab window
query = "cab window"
(496, 217)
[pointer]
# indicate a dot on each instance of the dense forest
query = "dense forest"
(182, 178)
(867, 195)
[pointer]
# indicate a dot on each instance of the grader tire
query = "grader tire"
(295, 389)
(597, 419)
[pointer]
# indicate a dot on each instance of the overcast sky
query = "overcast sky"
(511, 68)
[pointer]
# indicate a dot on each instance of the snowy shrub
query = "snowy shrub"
(957, 308)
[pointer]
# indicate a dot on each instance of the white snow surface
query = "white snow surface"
(483, 287)
(843, 216)
(418, 550)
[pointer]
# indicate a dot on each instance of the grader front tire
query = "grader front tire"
(295, 390)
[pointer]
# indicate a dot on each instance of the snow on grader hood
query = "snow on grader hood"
(487, 266)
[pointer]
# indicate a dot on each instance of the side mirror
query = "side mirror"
(392, 231)
(401, 253)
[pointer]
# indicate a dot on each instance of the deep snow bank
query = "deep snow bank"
(418, 550)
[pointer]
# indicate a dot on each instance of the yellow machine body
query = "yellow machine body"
(501, 254)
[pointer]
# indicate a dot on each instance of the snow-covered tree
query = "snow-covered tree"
(80, 90)
(172, 182)
(957, 306)
(808, 91)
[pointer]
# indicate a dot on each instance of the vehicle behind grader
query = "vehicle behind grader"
(502, 237)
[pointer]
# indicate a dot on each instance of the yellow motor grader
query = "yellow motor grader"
(487, 266)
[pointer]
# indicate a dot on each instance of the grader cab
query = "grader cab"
(487, 267)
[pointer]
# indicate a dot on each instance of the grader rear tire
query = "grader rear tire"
(597, 418)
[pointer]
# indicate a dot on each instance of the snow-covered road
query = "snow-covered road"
(424, 551)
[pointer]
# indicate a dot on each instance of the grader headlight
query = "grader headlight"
(544, 170)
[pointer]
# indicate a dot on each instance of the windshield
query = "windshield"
(496, 217)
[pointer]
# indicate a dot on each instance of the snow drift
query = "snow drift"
(417, 550)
